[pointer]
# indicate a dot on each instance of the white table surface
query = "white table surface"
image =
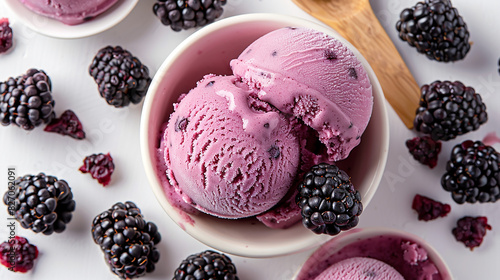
(73, 255)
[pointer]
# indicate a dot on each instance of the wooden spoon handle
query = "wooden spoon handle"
(366, 33)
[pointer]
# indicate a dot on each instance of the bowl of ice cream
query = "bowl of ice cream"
(375, 253)
(70, 19)
(238, 197)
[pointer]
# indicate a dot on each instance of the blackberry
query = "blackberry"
(5, 35)
(424, 150)
(100, 166)
(26, 101)
(471, 230)
(449, 109)
(472, 173)
(127, 240)
(18, 254)
(120, 76)
(436, 29)
(67, 124)
(428, 208)
(328, 201)
(41, 203)
(186, 14)
(208, 265)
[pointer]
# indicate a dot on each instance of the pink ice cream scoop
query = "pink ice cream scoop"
(70, 12)
(360, 268)
(228, 154)
(312, 76)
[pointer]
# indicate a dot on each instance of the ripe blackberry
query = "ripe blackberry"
(5, 35)
(472, 173)
(127, 240)
(120, 76)
(471, 230)
(436, 29)
(26, 101)
(186, 14)
(100, 166)
(41, 203)
(18, 254)
(208, 265)
(424, 149)
(428, 208)
(449, 109)
(67, 124)
(328, 200)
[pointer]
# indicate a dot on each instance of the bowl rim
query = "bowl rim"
(146, 152)
(359, 234)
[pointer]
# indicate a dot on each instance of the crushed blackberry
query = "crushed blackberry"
(424, 149)
(41, 203)
(187, 14)
(18, 254)
(26, 101)
(428, 208)
(5, 35)
(67, 124)
(473, 173)
(206, 265)
(120, 76)
(449, 109)
(127, 240)
(100, 166)
(328, 201)
(436, 29)
(471, 231)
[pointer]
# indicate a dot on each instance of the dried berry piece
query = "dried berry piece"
(428, 208)
(471, 230)
(67, 124)
(5, 35)
(424, 149)
(18, 254)
(100, 166)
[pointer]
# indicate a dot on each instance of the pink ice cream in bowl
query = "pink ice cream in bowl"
(236, 115)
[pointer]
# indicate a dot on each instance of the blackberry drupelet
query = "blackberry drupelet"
(428, 208)
(449, 109)
(26, 101)
(67, 124)
(328, 200)
(209, 265)
(127, 240)
(186, 14)
(436, 29)
(472, 173)
(100, 166)
(424, 150)
(41, 203)
(471, 231)
(19, 250)
(5, 35)
(120, 76)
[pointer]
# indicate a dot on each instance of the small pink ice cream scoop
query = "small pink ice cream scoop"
(314, 77)
(360, 268)
(70, 12)
(228, 154)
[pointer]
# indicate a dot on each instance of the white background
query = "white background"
(73, 255)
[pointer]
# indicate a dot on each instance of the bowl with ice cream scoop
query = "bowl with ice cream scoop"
(230, 125)
(375, 253)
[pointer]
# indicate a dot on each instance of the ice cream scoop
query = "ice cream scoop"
(228, 154)
(70, 12)
(360, 268)
(314, 77)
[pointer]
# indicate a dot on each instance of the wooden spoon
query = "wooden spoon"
(355, 21)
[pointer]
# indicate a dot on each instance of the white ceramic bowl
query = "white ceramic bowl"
(337, 244)
(53, 28)
(209, 50)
